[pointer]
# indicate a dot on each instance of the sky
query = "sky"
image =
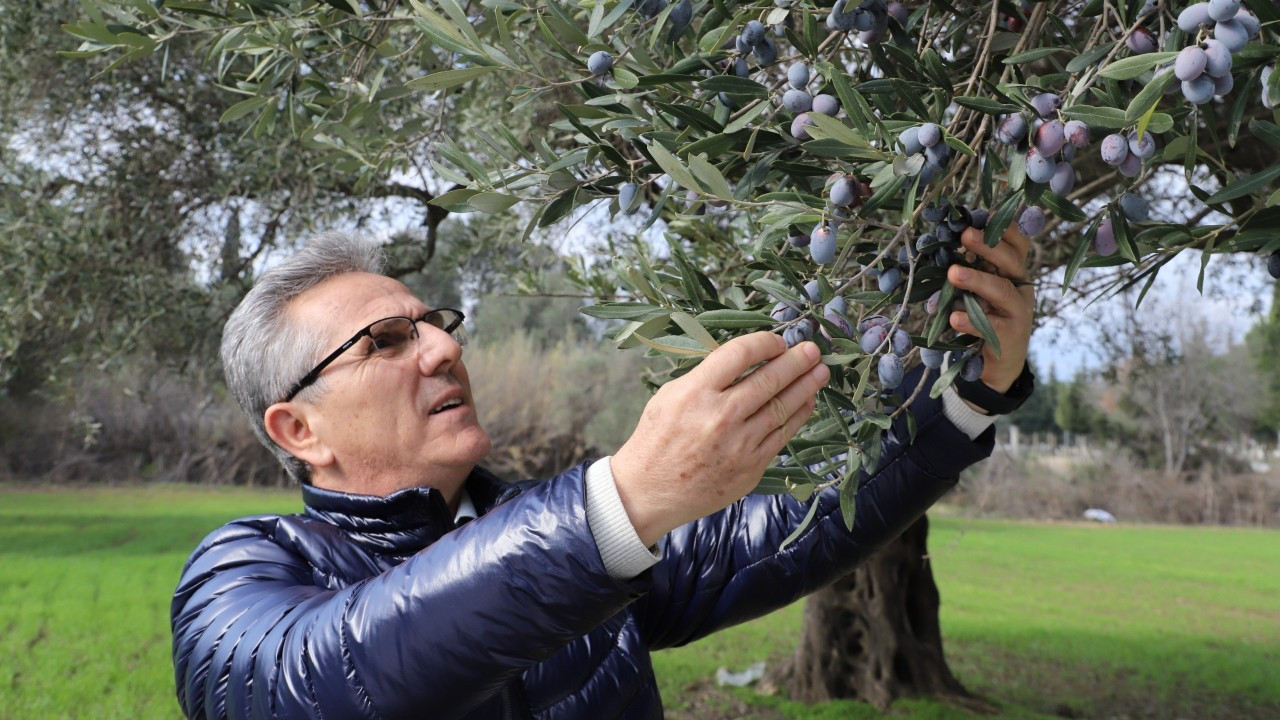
(1237, 294)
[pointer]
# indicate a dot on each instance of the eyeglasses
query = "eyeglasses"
(391, 338)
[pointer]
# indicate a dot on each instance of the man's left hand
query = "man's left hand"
(1009, 307)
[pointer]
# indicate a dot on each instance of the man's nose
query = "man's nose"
(437, 350)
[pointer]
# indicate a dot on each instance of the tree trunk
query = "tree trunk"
(874, 635)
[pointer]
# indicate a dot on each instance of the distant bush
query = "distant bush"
(545, 407)
(143, 423)
(1061, 486)
(549, 407)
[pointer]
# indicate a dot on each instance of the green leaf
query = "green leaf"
(779, 291)
(941, 321)
(804, 524)
(1001, 218)
(1265, 131)
(463, 24)
(1160, 123)
(735, 320)
(694, 330)
(1061, 207)
(848, 495)
(1077, 258)
(713, 40)
(979, 319)
(449, 78)
(674, 345)
(746, 117)
(492, 202)
(621, 311)
(1245, 186)
(93, 32)
(710, 176)
(734, 85)
(1093, 55)
(1146, 100)
(1032, 55)
(558, 208)
(242, 108)
(959, 145)
(1135, 65)
(672, 166)
(944, 380)
(455, 200)
(836, 130)
(442, 26)
(1120, 228)
(1103, 117)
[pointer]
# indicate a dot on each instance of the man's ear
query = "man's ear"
(289, 426)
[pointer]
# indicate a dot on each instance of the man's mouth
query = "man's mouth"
(447, 405)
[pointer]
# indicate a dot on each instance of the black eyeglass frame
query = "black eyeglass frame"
(450, 327)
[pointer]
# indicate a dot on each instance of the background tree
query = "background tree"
(1263, 342)
(1184, 388)
(713, 119)
(1036, 415)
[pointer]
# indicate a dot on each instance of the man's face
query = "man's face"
(381, 417)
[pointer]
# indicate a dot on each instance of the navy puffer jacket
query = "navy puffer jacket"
(367, 607)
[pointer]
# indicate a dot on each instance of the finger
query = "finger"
(777, 410)
(1012, 237)
(728, 362)
(768, 382)
(1007, 259)
(962, 323)
(1005, 299)
(778, 439)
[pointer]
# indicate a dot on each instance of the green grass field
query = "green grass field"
(1044, 620)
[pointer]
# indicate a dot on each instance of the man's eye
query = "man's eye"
(391, 342)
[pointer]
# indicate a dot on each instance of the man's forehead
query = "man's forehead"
(347, 302)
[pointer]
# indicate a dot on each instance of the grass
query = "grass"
(1083, 621)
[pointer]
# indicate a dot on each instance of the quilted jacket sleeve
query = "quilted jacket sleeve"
(726, 568)
(256, 634)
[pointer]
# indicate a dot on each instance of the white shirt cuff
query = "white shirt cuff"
(970, 421)
(624, 555)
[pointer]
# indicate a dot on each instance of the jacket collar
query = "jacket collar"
(403, 522)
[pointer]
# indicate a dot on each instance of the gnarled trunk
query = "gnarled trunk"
(874, 635)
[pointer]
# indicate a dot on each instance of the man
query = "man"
(415, 585)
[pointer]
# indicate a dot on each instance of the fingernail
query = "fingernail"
(962, 274)
(811, 351)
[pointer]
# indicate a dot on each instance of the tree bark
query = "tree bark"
(874, 635)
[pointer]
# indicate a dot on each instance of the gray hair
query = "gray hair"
(264, 351)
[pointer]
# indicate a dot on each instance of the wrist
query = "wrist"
(991, 400)
(642, 512)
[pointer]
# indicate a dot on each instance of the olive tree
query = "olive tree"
(793, 165)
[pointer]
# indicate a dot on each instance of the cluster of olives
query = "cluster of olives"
(926, 139)
(870, 19)
(797, 99)
(755, 39)
(940, 245)
(1053, 143)
(1205, 68)
(678, 20)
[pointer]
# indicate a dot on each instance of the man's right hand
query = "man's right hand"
(705, 439)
